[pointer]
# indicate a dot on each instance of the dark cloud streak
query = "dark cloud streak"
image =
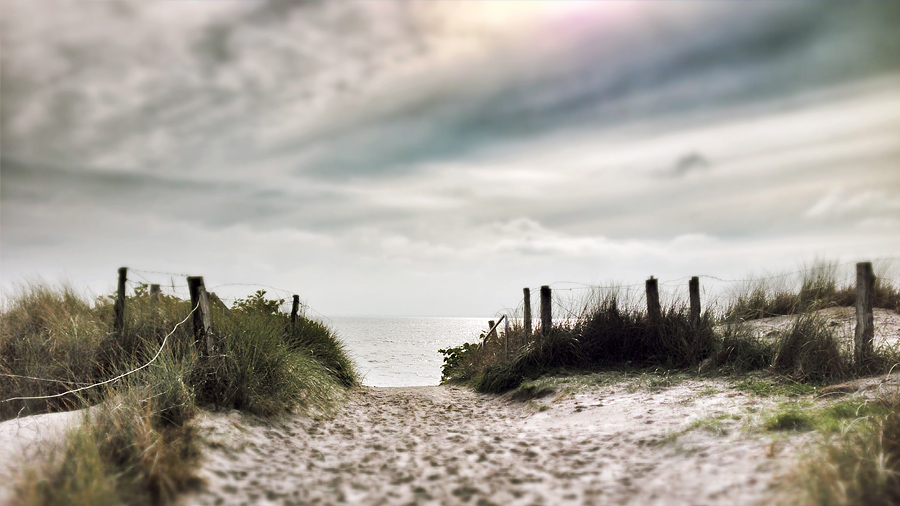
(740, 57)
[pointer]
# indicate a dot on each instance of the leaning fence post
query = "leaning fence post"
(865, 325)
(506, 337)
(119, 307)
(491, 331)
(654, 311)
(201, 318)
(694, 289)
(295, 308)
(546, 312)
(527, 316)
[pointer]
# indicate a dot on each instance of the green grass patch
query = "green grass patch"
(774, 386)
(833, 417)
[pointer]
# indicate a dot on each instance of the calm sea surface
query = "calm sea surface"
(394, 352)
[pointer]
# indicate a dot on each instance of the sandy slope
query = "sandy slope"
(22, 440)
(447, 445)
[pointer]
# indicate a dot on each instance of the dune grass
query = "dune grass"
(857, 463)
(610, 332)
(817, 287)
(136, 445)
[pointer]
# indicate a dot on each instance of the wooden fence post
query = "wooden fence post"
(546, 312)
(865, 326)
(201, 318)
(154, 295)
(492, 332)
(154, 308)
(694, 289)
(527, 316)
(654, 311)
(119, 307)
(295, 308)
(506, 337)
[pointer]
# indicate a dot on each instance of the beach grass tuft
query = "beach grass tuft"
(135, 444)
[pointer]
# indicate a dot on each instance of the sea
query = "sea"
(403, 351)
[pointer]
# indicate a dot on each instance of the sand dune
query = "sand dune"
(640, 441)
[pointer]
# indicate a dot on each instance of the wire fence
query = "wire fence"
(284, 295)
(572, 300)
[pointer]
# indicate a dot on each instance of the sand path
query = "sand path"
(448, 445)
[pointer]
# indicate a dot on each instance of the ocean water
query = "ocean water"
(403, 351)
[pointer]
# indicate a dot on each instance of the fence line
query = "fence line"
(282, 291)
(568, 308)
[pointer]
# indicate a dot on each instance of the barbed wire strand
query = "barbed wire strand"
(130, 269)
(161, 347)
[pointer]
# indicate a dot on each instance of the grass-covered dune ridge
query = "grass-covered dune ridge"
(136, 445)
(610, 327)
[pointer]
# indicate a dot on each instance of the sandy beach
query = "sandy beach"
(449, 445)
(608, 438)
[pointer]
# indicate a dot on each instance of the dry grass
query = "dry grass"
(136, 445)
(858, 467)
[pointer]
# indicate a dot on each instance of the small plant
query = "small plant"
(458, 362)
(791, 418)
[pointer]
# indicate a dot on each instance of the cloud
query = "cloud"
(688, 163)
(365, 144)
(869, 205)
(237, 81)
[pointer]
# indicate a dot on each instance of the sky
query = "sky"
(434, 158)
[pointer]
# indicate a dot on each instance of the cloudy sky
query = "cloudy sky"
(433, 158)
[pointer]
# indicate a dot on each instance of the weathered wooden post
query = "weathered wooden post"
(527, 316)
(546, 312)
(865, 325)
(492, 332)
(154, 295)
(654, 311)
(154, 308)
(694, 289)
(201, 318)
(295, 308)
(506, 336)
(119, 307)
